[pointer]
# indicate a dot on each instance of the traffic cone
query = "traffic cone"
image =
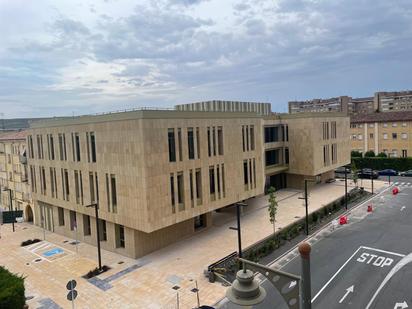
(395, 191)
(370, 208)
(343, 220)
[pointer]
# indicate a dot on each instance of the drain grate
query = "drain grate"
(38, 260)
(176, 287)
(194, 290)
(29, 297)
(65, 241)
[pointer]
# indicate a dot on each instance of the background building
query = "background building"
(14, 174)
(389, 132)
(158, 175)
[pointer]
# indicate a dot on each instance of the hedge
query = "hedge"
(376, 163)
(11, 290)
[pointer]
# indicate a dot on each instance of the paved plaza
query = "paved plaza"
(158, 279)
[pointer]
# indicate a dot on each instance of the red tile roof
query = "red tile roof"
(15, 135)
(382, 117)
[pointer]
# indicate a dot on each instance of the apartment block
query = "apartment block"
(388, 132)
(339, 104)
(158, 175)
(393, 101)
(14, 174)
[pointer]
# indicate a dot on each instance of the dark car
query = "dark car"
(368, 174)
(406, 173)
(340, 172)
(388, 172)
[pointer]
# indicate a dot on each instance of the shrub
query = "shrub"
(29, 242)
(315, 217)
(382, 155)
(11, 290)
(369, 154)
(378, 163)
(355, 154)
(95, 272)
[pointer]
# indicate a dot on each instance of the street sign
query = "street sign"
(72, 295)
(71, 285)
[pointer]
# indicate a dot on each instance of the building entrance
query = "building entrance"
(277, 181)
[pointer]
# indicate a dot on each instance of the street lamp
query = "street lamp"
(11, 206)
(306, 204)
(239, 236)
(99, 256)
(346, 188)
(295, 290)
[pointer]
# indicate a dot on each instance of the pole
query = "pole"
(346, 188)
(239, 236)
(72, 288)
(96, 208)
(389, 176)
(306, 207)
(177, 299)
(12, 209)
(197, 294)
(372, 180)
(304, 250)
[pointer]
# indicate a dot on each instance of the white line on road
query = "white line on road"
(348, 290)
(383, 251)
(333, 277)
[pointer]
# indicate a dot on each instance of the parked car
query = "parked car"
(406, 173)
(340, 172)
(368, 174)
(388, 172)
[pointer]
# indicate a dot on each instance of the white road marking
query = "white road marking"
(383, 251)
(333, 277)
(34, 245)
(43, 245)
(348, 290)
(406, 260)
(292, 284)
(401, 305)
(403, 208)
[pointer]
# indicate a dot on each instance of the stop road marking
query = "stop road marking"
(376, 260)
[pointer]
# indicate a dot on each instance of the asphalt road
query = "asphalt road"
(364, 264)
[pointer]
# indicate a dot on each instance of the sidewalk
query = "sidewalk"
(154, 280)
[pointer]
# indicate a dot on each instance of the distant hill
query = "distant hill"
(17, 123)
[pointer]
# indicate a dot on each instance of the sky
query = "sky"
(68, 57)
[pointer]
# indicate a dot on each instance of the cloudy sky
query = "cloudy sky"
(65, 57)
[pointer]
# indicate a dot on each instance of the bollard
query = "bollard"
(343, 220)
(369, 208)
(304, 250)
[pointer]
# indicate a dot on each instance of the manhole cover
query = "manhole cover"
(176, 287)
(75, 242)
(195, 290)
(29, 297)
(64, 241)
(27, 264)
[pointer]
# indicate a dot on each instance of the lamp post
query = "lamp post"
(99, 256)
(306, 205)
(346, 188)
(246, 291)
(11, 207)
(239, 235)
(372, 180)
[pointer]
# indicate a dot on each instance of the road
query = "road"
(364, 264)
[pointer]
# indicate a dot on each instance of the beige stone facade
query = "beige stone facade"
(390, 133)
(14, 174)
(157, 176)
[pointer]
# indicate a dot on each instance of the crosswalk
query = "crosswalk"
(47, 251)
(403, 184)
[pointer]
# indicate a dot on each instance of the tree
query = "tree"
(355, 154)
(382, 155)
(354, 173)
(369, 154)
(273, 207)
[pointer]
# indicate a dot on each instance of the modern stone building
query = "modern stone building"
(157, 176)
(14, 173)
(389, 132)
(226, 106)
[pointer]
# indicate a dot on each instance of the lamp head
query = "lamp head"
(245, 290)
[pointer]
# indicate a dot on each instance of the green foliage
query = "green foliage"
(11, 290)
(382, 155)
(273, 206)
(377, 163)
(369, 154)
(355, 154)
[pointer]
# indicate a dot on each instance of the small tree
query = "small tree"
(354, 173)
(355, 154)
(273, 207)
(369, 154)
(382, 155)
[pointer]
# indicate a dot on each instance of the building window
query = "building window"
(91, 186)
(102, 230)
(93, 146)
(199, 186)
(114, 192)
(385, 135)
(40, 146)
(218, 181)
(120, 243)
(50, 145)
(172, 145)
(180, 191)
(326, 161)
(404, 153)
(43, 180)
(179, 143)
(198, 142)
(62, 147)
(77, 186)
(370, 135)
(404, 124)
(220, 140)
(86, 225)
(394, 153)
(404, 136)
(325, 127)
(385, 125)
(254, 172)
(252, 137)
(209, 143)
(192, 196)
(60, 214)
(333, 129)
(191, 143)
(212, 189)
(77, 146)
(334, 154)
(394, 124)
(286, 155)
(360, 137)
(371, 125)
(223, 180)
(30, 145)
(52, 187)
(73, 223)
(245, 173)
(172, 191)
(272, 157)
(394, 135)
(271, 134)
